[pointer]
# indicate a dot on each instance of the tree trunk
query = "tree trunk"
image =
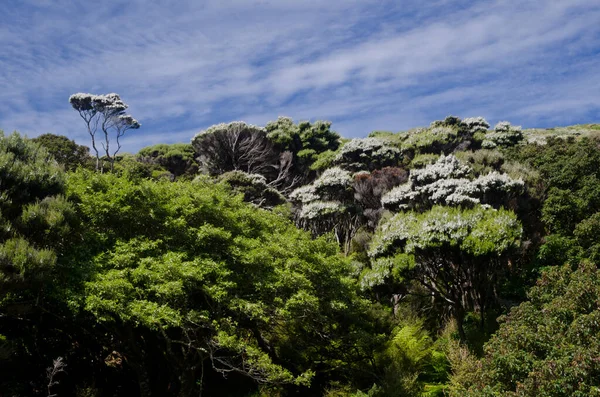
(143, 380)
(460, 319)
(187, 381)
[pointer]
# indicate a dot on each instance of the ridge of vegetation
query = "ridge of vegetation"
(457, 259)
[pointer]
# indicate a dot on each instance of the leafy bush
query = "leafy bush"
(176, 158)
(503, 136)
(547, 346)
(233, 287)
(367, 154)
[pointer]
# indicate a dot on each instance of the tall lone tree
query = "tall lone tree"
(106, 112)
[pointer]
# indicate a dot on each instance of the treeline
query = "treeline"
(456, 259)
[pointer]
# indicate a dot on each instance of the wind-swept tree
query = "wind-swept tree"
(460, 256)
(236, 146)
(106, 112)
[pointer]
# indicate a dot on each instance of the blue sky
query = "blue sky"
(364, 65)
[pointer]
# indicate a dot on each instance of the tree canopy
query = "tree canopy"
(451, 259)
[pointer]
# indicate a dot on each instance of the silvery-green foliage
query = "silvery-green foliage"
(431, 184)
(446, 182)
(476, 124)
(318, 209)
(323, 195)
(129, 121)
(496, 182)
(333, 178)
(381, 269)
(98, 103)
(459, 255)
(445, 167)
(108, 113)
(479, 231)
(441, 130)
(504, 135)
(304, 194)
(459, 191)
(331, 185)
(327, 205)
(367, 154)
(400, 197)
(258, 179)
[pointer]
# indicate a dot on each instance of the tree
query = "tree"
(548, 345)
(570, 174)
(310, 144)
(236, 146)
(191, 283)
(307, 140)
(65, 150)
(37, 225)
(460, 256)
(367, 154)
(108, 113)
(446, 182)
(327, 205)
(443, 136)
(177, 158)
(370, 187)
(254, 188)
(504, 135)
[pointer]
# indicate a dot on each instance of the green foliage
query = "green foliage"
(307, 140)
(177, 158)
(324, 160)
(130, 165)
(569, 172)
(394, 139)
(27, 173)
(414, 366)
(33, 214)
(460, 256)
(562, 210)
(435, 140)
(36, 229)
(314, 146)
(66, 151)
(422, 160)
(179, 260)
(254, 188)
(549, 345)
(442, 136)
(147, 282)
(482, 161)
(477, 232)
(586, 233)
(367, 154)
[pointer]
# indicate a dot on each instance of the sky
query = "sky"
(185, 65)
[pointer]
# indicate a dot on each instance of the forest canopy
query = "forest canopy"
(456, 259)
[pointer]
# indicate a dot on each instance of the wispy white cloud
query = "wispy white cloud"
(389, 65)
